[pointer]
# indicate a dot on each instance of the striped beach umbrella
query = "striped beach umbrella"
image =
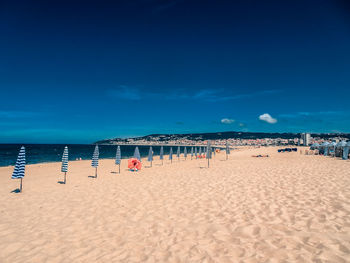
(191, 152)
(94, 162)
(178, 153)
(195, 152)
(161, 154)
(227, 150)
(346, 151)
(19, 170)
(118, 157)
(137, 154)
(326, 148)
(171, 154)
(150, 155)
(208, 152)
(64, 167)
(185, 153)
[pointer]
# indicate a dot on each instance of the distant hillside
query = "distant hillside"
(219, 135)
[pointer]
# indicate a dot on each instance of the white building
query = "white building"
(306, 137)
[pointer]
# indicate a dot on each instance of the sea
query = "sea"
(42, 153)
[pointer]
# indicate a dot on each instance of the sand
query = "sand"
(285, 208)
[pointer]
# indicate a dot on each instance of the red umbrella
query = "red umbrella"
(134, 164)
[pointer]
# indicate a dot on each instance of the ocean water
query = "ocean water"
(41, 153)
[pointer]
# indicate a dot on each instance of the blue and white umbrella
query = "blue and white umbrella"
(94, 162)
(150, 155)
(208, 150)
(118, 157)
(185, 153)
(191, 153)
(171, 154)
(227, 150)
(64, 167)
(325, 146)
(137, 154)
(19, 170)
(161, 154)
(178, 152)
(208, 155)
(346, 151)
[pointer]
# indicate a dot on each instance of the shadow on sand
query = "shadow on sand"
(16, 191)
(61, 182)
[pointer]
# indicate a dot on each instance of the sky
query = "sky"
(81, 71)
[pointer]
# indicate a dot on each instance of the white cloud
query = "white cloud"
(227, 121)
(267, 117)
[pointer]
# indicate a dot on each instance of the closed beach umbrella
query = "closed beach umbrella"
(19, 171)
(195, 152)
(137, 154)
(161, 154)
(150, 155)
(191, 153)
(64, 167)
(185, 153)
(118, 157)
(178, 153)
(208, 152)
(325, 147)
(200, 151)
(346, 151)
(213, 150)
(94, 162)
(227, 150)
(171, 154)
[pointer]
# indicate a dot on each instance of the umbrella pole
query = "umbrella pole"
(208, 162)
(65, 173)
(151, 163)
(20, 187)
(96, 172)
(119, 168)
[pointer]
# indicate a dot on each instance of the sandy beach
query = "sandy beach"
(284, 208)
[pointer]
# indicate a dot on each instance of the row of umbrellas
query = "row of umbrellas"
(19, 170)
(340, 148)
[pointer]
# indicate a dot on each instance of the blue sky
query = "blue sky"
(81, 71)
